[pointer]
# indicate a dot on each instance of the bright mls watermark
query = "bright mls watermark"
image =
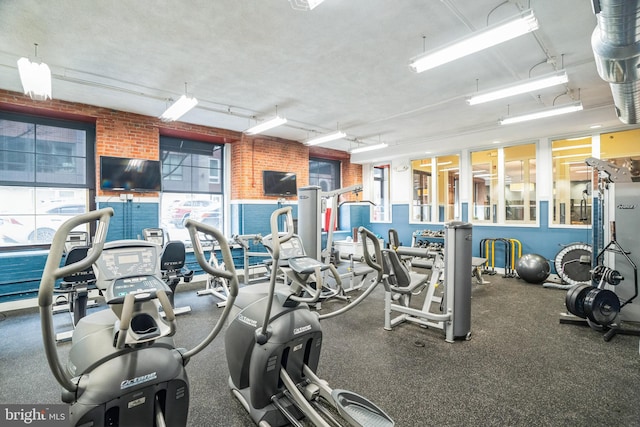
(34, 415)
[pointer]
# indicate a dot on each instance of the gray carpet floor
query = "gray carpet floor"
(521, 367)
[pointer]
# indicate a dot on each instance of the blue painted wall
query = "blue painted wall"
(541, 240)
(130, 218)
(20, 272)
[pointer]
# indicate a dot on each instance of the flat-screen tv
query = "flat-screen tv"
(279, 183)
(125, 174)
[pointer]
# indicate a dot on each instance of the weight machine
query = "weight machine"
(219, 286)
(313, 206)
(607, 301)
(450, 270)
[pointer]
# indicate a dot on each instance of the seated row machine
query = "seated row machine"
(450, 269)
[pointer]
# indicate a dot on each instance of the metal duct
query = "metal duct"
(616, 47)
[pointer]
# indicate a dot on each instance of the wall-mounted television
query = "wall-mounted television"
(279, 183)
(125, 174)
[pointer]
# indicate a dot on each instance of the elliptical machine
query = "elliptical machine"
(273, 350)
(123, 368)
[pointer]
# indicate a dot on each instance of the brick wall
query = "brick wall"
(125, 134)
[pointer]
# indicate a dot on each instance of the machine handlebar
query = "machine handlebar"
(277, 238)
(53, 271)
(371, 260)
(229, 273)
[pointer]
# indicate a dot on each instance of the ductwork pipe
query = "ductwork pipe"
(616, 47)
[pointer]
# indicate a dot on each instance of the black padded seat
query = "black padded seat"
(400, 278)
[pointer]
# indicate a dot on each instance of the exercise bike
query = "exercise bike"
(123, 367)
(273, 346)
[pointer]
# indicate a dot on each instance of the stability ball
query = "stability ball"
(533, 268)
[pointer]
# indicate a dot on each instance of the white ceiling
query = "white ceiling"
(342, 65)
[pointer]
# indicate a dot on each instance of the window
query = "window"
(484, 168)
(381, 211)
(46, 169)
(214, 171)
(172, 167)
(192, 185)
(324, 173)
(421, 206)
(448, 183)
(520, 183)
(622, 149)
(572, 193)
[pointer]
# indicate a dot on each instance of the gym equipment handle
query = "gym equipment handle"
(53, 271)
(371, 260)
(230, 273)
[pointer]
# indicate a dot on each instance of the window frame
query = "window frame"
(39, 184)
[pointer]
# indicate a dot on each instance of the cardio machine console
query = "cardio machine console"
(129, 267)
(143, 287)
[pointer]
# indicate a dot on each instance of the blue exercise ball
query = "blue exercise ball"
(533, 268)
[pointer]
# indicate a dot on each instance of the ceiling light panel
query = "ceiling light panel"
(501, 32)
(265, 126)
(526, 86)
(549, 112)
(325, 138)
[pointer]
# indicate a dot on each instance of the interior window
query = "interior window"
(484, 168)
(520, 183)
(572, 191)
(448, 183)
(381, 211)
(422, 194)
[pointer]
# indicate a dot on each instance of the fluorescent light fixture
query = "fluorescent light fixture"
(511, 28)
(304, 4)
(572, 156)
(549, 112)
(368, 148)
(325, 138)
(571, 147)
(265, 126)
(35, 78)
(519, 186)
(526, 86)
(178, 109)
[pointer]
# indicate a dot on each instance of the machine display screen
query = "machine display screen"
(134, 285)
(129, 261)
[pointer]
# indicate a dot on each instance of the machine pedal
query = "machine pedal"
(360, 411)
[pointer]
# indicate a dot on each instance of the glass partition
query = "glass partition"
(448, 182)
(572, 191)
(484, 196)
(520, 183)
(422, 194)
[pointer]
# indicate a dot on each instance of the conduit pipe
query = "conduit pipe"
(616, 47)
